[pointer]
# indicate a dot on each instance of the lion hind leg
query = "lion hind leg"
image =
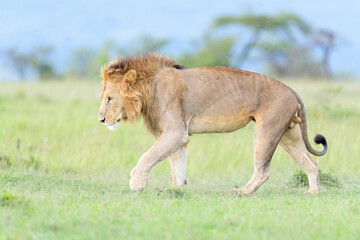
(265, 143)
(292, 142)
(178, 167)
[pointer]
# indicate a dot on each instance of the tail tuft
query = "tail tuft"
(320, 139)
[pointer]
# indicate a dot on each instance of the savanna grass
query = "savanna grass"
(63, 175)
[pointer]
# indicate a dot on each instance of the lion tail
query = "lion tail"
(319, 139)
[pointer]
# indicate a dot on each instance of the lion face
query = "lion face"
(111, 110)
(120, 99)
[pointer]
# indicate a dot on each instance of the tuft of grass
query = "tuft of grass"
(8, 178)
(10, 199)
(5, 161)
(24, 159)
(299, 178)
(172, 193)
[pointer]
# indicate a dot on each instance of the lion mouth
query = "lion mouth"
(114, 126)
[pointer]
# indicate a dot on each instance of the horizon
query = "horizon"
(90, 24)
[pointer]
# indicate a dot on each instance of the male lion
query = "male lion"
(176, 102)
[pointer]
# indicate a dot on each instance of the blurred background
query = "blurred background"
(43, 40)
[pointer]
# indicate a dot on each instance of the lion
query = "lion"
(176, 102)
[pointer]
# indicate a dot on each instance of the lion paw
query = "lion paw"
(138, 180)
(240, 192)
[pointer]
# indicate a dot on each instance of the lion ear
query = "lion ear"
(130, 77)
(110, 71)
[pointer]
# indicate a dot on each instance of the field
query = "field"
(63, 175)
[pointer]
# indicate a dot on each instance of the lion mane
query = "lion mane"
(138, 97)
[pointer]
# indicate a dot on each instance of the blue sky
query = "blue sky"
(70, 24)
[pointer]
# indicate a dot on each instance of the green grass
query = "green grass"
(65, 176)
(299, 178)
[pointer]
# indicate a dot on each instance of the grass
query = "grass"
(65, 176)
(327, 179)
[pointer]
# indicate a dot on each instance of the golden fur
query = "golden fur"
(176, 102)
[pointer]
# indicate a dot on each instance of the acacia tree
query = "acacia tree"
(148, 43)
(36, 62)
(80, 62)
(213, 52)
(285, 24)
(325, 39)
(41, 62)
(287, 59)
(19, 62)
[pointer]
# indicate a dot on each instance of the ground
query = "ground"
(63, 175)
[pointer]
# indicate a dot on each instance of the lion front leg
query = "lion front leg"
(166, 144)
(138, 179)
(178, 167)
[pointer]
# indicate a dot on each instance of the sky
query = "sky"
(67, 25)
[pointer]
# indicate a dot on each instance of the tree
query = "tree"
(36, 62)
(281, 24)
(325, 39)
(80, 61)
(287, 59)
(213, 53)
(41, 62)
(86, 62)
(147, 43)
(20, 62)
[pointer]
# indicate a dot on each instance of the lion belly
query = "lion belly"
(217, 124)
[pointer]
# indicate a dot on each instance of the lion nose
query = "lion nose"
(101, 117)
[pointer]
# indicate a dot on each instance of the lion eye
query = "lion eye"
(108, 100)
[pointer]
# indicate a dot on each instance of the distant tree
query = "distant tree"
(147, 43)
(325, 39)
(281, 24)
(102, 57)
(41, 62)
(212, 53)
(86, 62)
(37, 62)
(19, 62)
(79, 63)
(287, 59)
(110, 50)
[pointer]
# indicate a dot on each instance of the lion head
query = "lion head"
(128, 91)
(120, 98)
